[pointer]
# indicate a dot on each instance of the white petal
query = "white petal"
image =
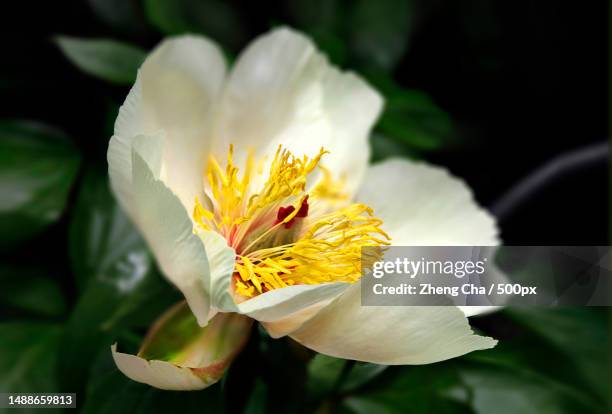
(389, 335)
(174, 95)
(422, 205)
(159, 374)
(291, 322)
(119, 157)
(278, 303)
(283, 91)
(353, 107)
(222, 260)
(168, 230)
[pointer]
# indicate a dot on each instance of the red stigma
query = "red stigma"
(284, 212)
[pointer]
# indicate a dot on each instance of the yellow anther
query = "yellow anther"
(325, 247)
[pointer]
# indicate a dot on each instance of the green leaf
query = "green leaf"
(324, 374)
(38, 166)
(416, 389)
(522, 374)
(578, 334)
(257, 400)
(120, 14)
(120, 285)
(384, 147)
(360, 374)
(328, 375)
(510, 389)
(29, 289)
(411, 117)
(332, 46)
(106, 59)
(370, 34)
(317, 15)
(129, 396)
(284, 372)
(28, 352)
(214, 18)
(103, 244)
(380, 31)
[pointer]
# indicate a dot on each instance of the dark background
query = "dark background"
(521, 82)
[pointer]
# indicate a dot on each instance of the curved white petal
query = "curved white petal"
(222, 260)
(159, 374)
(174, 96)
(423, 205)
(389, 335)
(276, 304)
(292, 321)
(168, 229)
(283, 91)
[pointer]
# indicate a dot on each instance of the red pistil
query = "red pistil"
(284, 212)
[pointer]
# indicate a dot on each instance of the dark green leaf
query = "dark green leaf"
(121, 287)
(284, 372)
(360, 374)
(522, 374)
(332, 46)
(29, 289)
(578, 334)
(214, 18)
(418, 389)
(120, 14)
(103, 243)
(384, 147)
(324, 373)
(38, 166)
(317, 15)
(380, 31)
(328, 375)
(106, 59)
(411, 116)
(28, 353)
(257, 401)
(507, 389)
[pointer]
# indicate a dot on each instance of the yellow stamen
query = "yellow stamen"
(329, 189)
(322, 247)
(330, 251)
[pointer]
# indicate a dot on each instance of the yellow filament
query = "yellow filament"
(330, 251)
(323, 248)
(329, 189)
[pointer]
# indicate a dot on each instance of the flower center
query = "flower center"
(285, 233)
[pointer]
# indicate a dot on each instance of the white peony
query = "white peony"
(253, 190)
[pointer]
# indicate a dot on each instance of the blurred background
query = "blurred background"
(492, 90)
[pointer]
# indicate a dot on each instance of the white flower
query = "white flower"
(282, 245)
